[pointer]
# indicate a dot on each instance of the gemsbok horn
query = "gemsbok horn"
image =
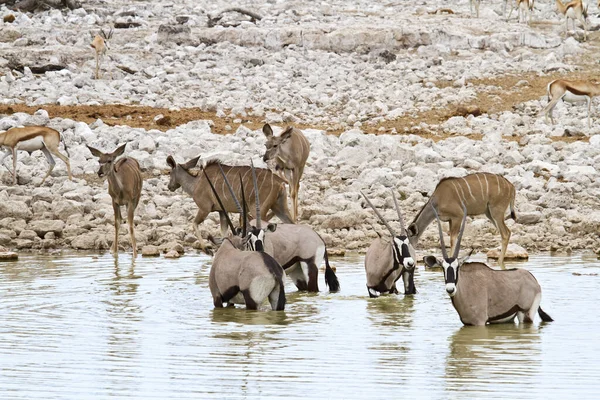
(243, 277)
(389, 259)
(483, 295)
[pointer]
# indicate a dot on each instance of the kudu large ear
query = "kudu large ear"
(190, 164)
(171, 162)
(119, 151)
(432, 262)
(286, 134)
(267, 131)
(95, 152)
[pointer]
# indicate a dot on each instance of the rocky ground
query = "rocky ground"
(391, 96)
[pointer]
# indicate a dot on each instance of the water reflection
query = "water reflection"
(501, 356)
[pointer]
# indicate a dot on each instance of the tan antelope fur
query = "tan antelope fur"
(524, 9)
(100, 46)
(572, 92)
(482, 295)
(31, 138)
(288, 152)
(482, 193)
(243, 277)
(124, 187)
(271, 187)
(389, 259)
(575, 10)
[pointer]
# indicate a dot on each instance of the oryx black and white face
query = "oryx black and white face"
(256, 240)
(404, 253)
(450, 267)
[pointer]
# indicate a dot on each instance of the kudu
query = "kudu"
(482, 193)
(297, 248)
(288, 152)
(389, 259)
(482, 295)
(124, 186)
(100, 46)
(243, 277)
(29, 139)
(272, 191)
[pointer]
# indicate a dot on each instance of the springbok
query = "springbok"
(124, 186)
(31, 138)
(524, 8)
(272, 192)
(288, 152)
(388, 260)
(571, 91)
(481, 192)
(243, 277)
(574, 9)
(297, 248)
(482, 295)
(100, 46)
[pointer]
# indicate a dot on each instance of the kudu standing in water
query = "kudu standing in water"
(288, 152)
(481, 193)
(297, 248)
(388, 260)
(483, 295)
(272, 191)
(243, 277)
(124, 186)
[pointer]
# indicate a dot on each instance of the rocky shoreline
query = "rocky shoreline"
(325, 65)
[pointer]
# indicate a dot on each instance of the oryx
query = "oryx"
(243, 277)
(389, 259)
(483, 295)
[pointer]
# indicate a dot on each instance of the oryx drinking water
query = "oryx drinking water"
(389, 259)
(481, 193)
(483, 295)
(243, 277)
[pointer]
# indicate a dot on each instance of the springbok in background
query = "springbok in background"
(100, 46)
(29, 139)
(297, 248)
(524, 8)
(576, 10)
(388, 260)
(272, 192)
(481, 192)
(288, 152)
(243, 277)
(571, 91)
(483, 295)
(124, 186)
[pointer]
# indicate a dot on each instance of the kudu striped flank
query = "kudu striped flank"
(124, 186)
(482, 295)
(288, 152)
(271, 188)
(297, 248)
(29, 139)
(243, 277)
(481, 193)
(389, 259)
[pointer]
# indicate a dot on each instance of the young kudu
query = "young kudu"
(483, 295)
(297, 248)
(29, 139)
(288, 152)
(100, 46)
(243, 277)
(124, 186)
(482, 193)
(388, 260)
(272, 191)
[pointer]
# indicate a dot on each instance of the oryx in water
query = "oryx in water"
(389, 259)
(481, 193)
(483, 295)
(297, 248)
(243, 277)
(272, 191)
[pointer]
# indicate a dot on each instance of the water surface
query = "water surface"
(88, 326)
